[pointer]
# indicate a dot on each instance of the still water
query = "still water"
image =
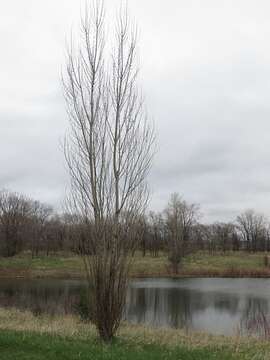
(218, 306)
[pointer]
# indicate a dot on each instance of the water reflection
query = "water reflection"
(219, 306)
(159, 307)
(41, 296)
(255, 318)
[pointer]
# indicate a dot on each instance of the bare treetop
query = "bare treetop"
(109, 130)
(108, 153)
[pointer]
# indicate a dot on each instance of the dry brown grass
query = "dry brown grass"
(71, 326)
(237, 264)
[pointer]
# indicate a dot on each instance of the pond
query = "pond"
(218, 306)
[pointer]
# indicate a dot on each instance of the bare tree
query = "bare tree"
(221, 236)
(14, 211)
(54, 234)
(141, 230)
(39, 216)
(156, 229)
(252, 228)
(180, 217)
(108, 153)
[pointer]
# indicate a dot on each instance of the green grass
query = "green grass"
(220, 261)
(32, 346)
(25, 336)
(59, 265)
(200, 263)
(24, 261)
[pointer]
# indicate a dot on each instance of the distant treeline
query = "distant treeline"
(27, 224)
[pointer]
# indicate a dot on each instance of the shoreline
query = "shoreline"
(73, 275)
(200, 264)
(31, 333)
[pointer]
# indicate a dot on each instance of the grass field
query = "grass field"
(198, 264)
(24, 336)
(27, 346)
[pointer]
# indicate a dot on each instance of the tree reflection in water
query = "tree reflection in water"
(40, 296)
(175, 307)
(255, 318)
(213, 305)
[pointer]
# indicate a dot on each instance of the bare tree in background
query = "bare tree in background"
(252, 228)
(109, 153)
(220, 236)
(156, 225)
(40, 213)
(180, 217)
(14, 212)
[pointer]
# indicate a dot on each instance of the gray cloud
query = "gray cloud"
(205, 69)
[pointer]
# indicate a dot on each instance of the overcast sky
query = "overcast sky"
(205, 71)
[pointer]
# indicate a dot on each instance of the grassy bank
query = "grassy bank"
(24, 336)
(240, 264)
(27, 346)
